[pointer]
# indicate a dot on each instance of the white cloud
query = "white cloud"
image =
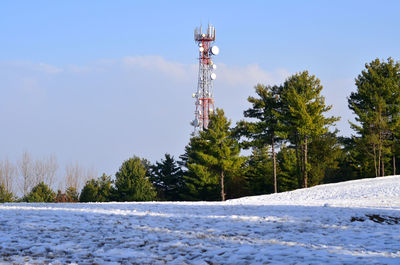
(48, 69)
(175, 70)
(249, 75)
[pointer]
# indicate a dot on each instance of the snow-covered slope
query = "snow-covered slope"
(356, 222)
(373, 192)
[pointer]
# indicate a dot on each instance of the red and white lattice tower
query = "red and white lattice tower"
(204, 97)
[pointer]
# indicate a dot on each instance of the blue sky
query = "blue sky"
(100, 81)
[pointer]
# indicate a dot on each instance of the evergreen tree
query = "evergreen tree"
(99, 190)
(350, 165)
(302, 116)
(215, 156)
(89, 192)
(5, 196)
(325, 153)
(132, 182)
(167, 178)
(41, 193)
(198, 183)
(106, 189)
(376, 104)
(263, 132)
(287, 174)
(259, 173)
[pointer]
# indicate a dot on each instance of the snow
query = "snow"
(324, 224)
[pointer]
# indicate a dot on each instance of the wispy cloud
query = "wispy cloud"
(249, 75)
(107, 110)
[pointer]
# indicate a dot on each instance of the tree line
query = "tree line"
(29, 174)
(291, 144)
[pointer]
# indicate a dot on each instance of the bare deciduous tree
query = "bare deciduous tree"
(91, 173)
(73, 174)
(45, 170)
(39, 172)
(76, 176)
(51, 169)
(25, 168)
(7, 174)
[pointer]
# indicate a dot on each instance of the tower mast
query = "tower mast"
(204, 99)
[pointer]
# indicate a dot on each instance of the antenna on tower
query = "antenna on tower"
(204, 100)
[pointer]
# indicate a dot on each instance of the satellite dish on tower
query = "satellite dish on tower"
(215, 50)
(213, 76)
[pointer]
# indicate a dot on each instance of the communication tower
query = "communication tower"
(203, 96)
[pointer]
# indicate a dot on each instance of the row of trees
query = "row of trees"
(21, 177)
(292, 144)
(131, 184)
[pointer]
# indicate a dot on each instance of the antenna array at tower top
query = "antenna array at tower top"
(199, 35)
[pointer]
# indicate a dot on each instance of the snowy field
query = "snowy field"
(355, 222)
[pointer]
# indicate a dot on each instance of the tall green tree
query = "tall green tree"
(167, 178)
(376, 104)
(259, 173)
(325, 154)
(132, 182)
(214, 155)
(262, 132)
(199, 185)
(287, 174)
(302, 116)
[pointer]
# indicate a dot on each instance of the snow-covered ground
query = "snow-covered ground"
(356, 222)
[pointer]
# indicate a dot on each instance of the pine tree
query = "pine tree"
(376, 104)
(302, 116)
(199, 185)
(287, 169)
(263, 132)
(324, 156)
(213, 156)
(105, 191)
(132, 182)
(5, 196)
(259, 173)
(41, 193)
(89, 192)
(97, 190)
(167, 178)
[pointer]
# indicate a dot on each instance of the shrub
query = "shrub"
(41, 193)
(5, 196)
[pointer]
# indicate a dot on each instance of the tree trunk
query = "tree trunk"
(376, 169)
(394, 164)
(383, 167)
(274, 164)
(305, 176)
(222, 186)
(298, 165)
(379, 160)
